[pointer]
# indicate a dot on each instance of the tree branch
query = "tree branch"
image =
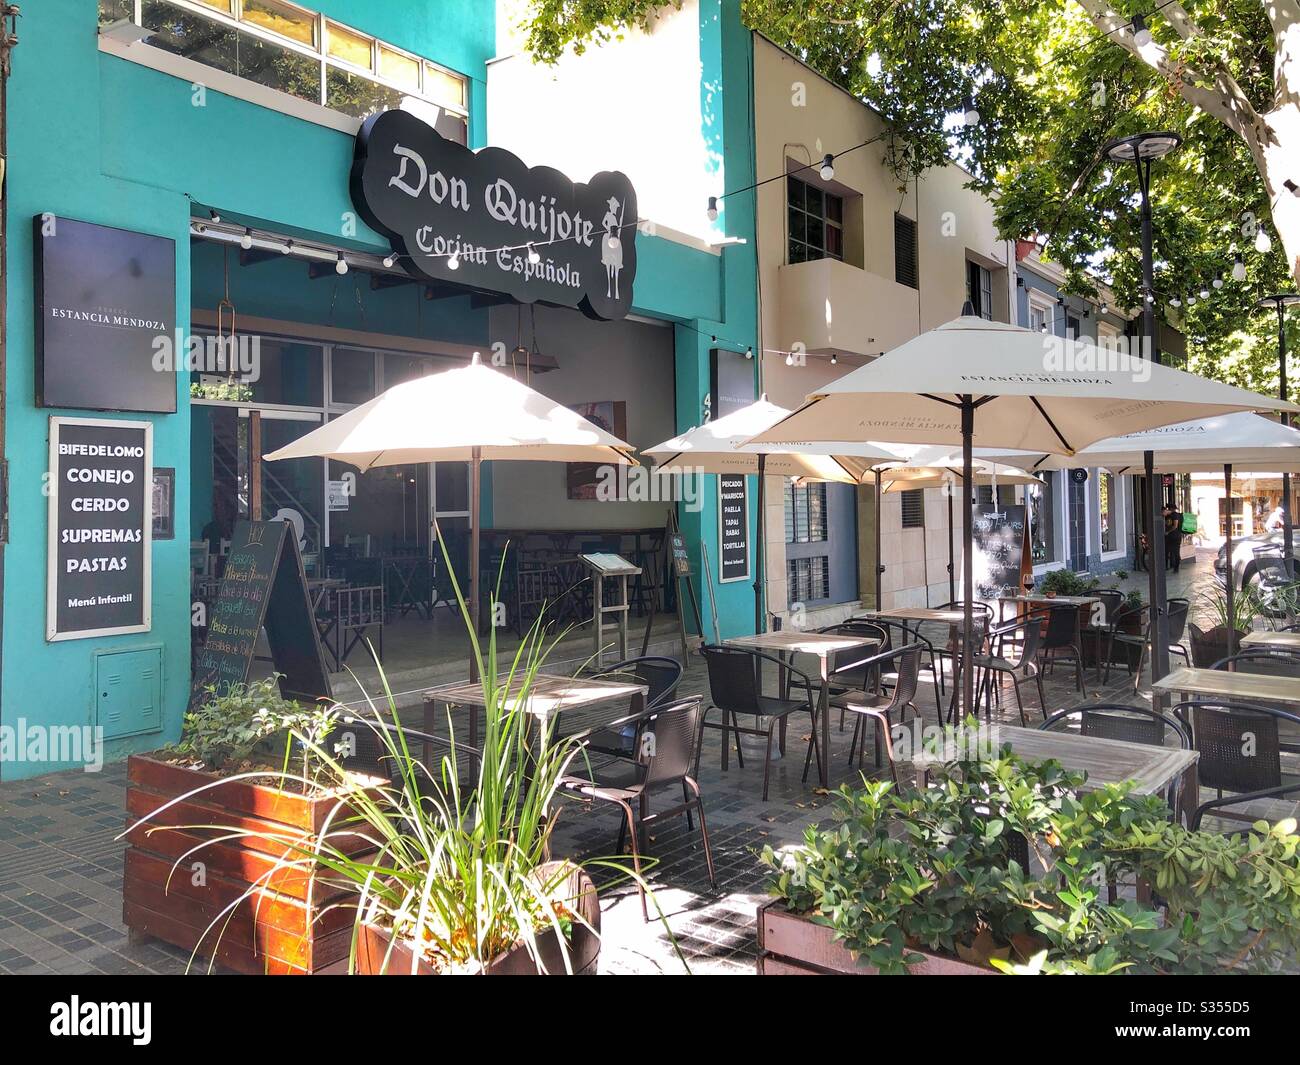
(1225, 101)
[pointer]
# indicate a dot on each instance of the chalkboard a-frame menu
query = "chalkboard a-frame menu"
(263, 586)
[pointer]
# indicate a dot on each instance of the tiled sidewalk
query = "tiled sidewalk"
(61, 869)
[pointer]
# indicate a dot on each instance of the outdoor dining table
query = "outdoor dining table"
(915, 613)
(821, 645)
(1239, 687)
(1284, 641)
(1150, 769)
(573, 705)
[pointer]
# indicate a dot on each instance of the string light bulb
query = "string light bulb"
(1141, 34)
(389, 260)
(533, 256)
(1218, 281)
(1205, 292)
(246, 241)
(341, 267)
(287, 247)
(789, 359)
(1263, 242)
(828, 167)
(971, 113)
(1191, 299)
(834, 358)
(454, 262)
(1238, 268)
(1174, 301)
(712, 211)
(749, 353)
(215, 217)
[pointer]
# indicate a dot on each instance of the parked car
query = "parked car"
(1244, 568)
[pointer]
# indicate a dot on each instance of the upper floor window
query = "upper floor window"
(816, 222)
(913, 502)
(805, 512)
(296, 51)
(979, 289)
(905, 272)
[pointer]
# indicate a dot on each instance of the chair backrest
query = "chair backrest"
(733, 678)
(1062, 623)
(845, 666)
(660, 674)
(1176, 610)
(671, 754)
(1268, 661)
(907, 665)
(1207, 647)
(1028, 637)
(1120, 721)
(1239, 745)
(1112, 599)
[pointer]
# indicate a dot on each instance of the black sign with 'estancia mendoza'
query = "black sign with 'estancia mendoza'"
(100, 528)
(485, 220)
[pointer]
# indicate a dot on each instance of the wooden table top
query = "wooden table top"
(810, 643)
(1105, 761)
(917, 613)
(1060, 600)
(549, 695)
(1249, 687)
(1287, 640)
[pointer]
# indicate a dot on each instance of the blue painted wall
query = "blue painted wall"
(113, 142)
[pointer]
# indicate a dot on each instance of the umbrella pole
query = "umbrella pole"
(880, 568)
(968, 568)
(1159, 624)
(1229, 591)
(760, 551)
(475, 489)
(952, 572)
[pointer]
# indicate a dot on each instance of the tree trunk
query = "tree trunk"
(1276, 155)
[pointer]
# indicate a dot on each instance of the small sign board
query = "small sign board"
(337, 494)
(733, 527)
(608, 564)
(1000, 561)
(263, 586)
(681, 557)
(101, 528)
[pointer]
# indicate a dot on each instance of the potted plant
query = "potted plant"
(1003, 866)
(221, 821)
(1224, 635)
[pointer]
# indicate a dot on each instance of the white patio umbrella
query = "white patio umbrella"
(1244, 442)
(467, 414)
(719, 446)
(1031, 391)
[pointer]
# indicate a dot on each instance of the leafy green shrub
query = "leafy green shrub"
(1067, 582)
(936, 869)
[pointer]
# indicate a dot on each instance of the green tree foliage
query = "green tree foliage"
(1053, 80)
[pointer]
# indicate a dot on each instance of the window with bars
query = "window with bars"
(816, 222)
(299, 52)
(805, 512)
(808, 579)
(905, 272)
(914, 509)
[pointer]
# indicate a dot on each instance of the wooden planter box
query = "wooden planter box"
(790, 944)
(289, 924)
(374, 957)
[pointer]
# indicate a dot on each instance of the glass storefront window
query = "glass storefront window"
(1109, 507)
(279, 68)
(443, 87)
(352, 375)
(451, 486)
(399, 67)
(1042, 524)
(399, 368)
(191, 36)
(111, 11)
(356, 95)
(349, 46)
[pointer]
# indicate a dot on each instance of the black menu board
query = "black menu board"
(999, 550)
(681, 557)
(733, 527)
(100, 493)
(263, 586)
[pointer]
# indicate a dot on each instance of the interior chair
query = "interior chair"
(1015, 649)
(734, 686)
(662, 765)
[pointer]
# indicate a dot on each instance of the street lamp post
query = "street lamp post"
(1141, 150)
(1280, 302)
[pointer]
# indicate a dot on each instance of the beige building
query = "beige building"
(850, 265)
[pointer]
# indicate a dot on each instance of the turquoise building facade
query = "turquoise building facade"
(96, 135)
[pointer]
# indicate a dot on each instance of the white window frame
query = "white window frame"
(1040, 301)
(1121, 517)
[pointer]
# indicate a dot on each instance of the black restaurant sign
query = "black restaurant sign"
(733, 527)
(469, 218)
(104, 298)
(100, 492)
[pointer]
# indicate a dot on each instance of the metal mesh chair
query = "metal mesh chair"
(1061, 642)
(734, 675)
(1176, 612)
(899, 634)
(1120, 721)
(660, 675)
(881, 709)
(1241, 752)
(1016, 646)
(667, 746)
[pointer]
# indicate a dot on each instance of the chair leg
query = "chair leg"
(726, 740)
(1110, 646)
(1015, 684)
(1042, 699)
(704, 831)
(740, 755)
(767, 761)
(699, 740)
(690, 825)
(1078, 671)
(853, 741)
(636, 856)
(1137, 676)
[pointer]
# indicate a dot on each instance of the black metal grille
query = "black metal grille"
(914, 509)
(905, 251)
